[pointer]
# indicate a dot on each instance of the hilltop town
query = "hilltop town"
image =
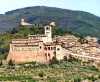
(49, 41)
(38, 55)
(43, 48)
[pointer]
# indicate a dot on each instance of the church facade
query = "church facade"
(36, 48)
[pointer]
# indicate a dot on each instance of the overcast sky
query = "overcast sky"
(92, 6)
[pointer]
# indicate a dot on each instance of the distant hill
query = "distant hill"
(80, 22)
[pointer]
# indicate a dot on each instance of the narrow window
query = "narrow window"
(40, 47)
(47, 28)
(46, 55)
(52, 48)
(49, 54)
(48, 48)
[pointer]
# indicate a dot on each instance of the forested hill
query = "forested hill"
(76, 21)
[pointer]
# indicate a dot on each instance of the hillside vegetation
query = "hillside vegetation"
(80, 22)
(63, 71)
(77, 23)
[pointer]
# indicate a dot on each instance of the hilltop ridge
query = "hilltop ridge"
(79, 22)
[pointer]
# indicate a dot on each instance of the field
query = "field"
(64, 71)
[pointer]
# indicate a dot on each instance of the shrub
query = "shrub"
(41, 74)
(11, 63)
(54, 61)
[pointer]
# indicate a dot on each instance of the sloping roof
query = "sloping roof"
(38, 35)
(25, 41)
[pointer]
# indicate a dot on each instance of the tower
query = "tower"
(48, 33)
(22, 22)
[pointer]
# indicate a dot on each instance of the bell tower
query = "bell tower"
(48, 31)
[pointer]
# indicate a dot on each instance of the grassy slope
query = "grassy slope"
(64, 71)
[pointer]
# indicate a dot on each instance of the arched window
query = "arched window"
(51, 48)
(49, 54)
(48, 48)
(40, 47)
(47, 28)
(45, 48)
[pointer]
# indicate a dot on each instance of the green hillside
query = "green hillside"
(64, 71)
(80, 22)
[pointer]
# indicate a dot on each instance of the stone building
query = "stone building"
(42, 48)
(39, 48)
(23, 23)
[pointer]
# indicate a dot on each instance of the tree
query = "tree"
(41, 74)
(1, 63)
(14, 30)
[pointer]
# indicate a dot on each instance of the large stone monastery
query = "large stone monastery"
(39, 48)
